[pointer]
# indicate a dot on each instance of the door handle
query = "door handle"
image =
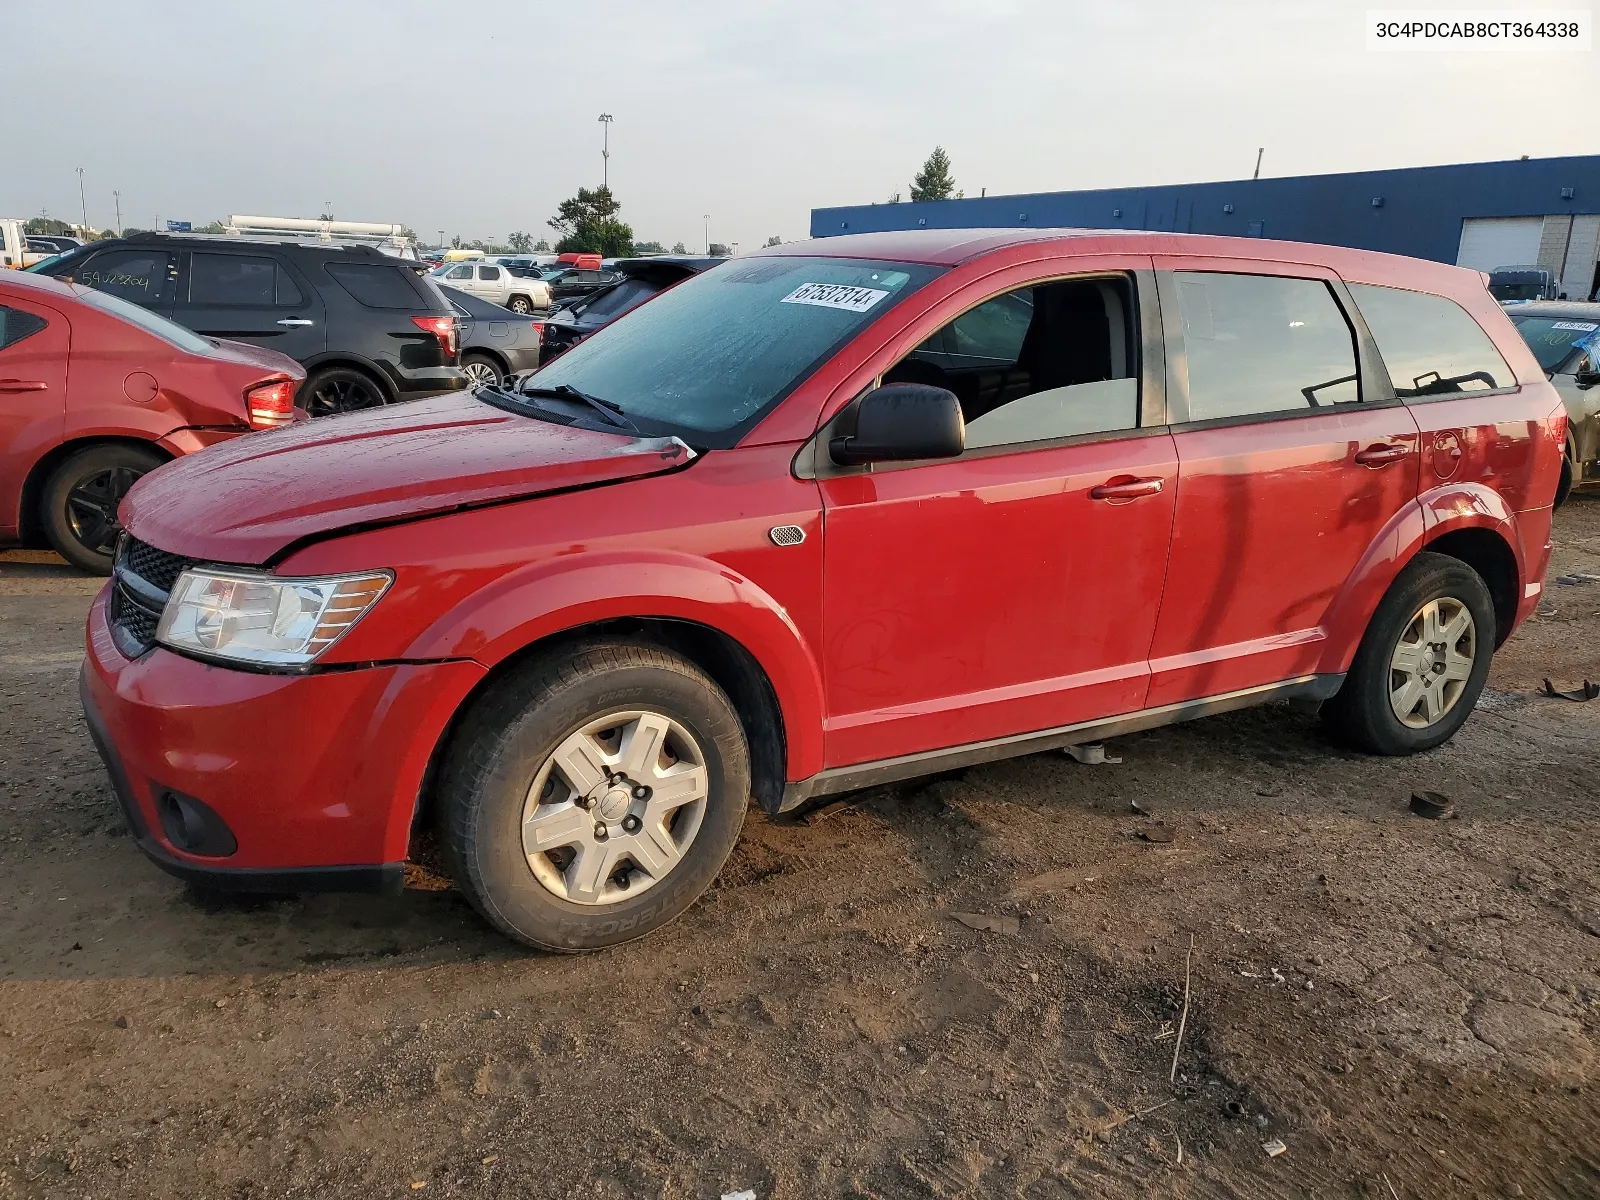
(23, 385)
(296, 321)
(1125, 489)
(1381, 455)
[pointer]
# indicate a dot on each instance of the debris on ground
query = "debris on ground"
(1274, 1148)
(1139, 808)
(1092, 754)
(1581, 695)
(1435, 806)
(747, 1194)
(1578, 579)
(985, 923)
(1156, 833)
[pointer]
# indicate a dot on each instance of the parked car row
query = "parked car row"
(832, 515)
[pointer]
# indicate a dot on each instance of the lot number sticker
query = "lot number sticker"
(1586, 326)
(835, 295)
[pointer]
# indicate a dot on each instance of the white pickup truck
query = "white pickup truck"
(496, 284)
(14, 250)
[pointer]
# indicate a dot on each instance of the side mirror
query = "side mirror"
(1586, 379)
(903, 421)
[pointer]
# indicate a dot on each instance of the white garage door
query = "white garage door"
(1490, 242)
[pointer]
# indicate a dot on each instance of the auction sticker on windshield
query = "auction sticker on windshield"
(1585, 326)
(835, 295)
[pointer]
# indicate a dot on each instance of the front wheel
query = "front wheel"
(1423, 661)
(79, 506)
(480, 370)
(521, 304)
(1569, 472)
(592, 796)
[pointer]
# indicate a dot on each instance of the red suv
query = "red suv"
(837, 514)
(95, 391)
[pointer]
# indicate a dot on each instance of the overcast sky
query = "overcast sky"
(479, 116)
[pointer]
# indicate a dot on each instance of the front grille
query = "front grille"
(140, 582)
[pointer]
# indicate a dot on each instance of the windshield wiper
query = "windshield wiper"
(565, 391)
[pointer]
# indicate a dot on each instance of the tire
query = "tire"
(480, 369)
(1564, 487)
(520, 304)
(508, 746)
(1364, 712)
(334, 390)
(79, 507)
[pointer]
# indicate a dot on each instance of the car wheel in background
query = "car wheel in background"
(590, 797)
(335, 390)
(1423, 661)
(520, 304)
(1568, 474)
(79, 507)
(480, 369)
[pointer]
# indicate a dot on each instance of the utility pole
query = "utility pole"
(83, 202)
(117, 196)
(707, 220)
(605, 150)
(1259, 152)
(441, 239)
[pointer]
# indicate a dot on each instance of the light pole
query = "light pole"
(605, 150)
(707, 219)
(83, 202)
(117, 196)
(441, 240)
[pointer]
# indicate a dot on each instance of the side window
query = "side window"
(16, 325)
(377, 286)
(142, 276)
(1050, 361)
(288, 290)
(232, 279)
(1430, 344)
(462, 272)
(489, 273)
(1261, 344)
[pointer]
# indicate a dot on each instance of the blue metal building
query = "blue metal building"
(1528, 212)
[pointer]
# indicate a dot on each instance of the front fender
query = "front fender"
(1431, 515)
(556, 595)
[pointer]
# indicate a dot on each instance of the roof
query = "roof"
(40, 283)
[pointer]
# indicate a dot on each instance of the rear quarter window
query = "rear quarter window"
(1430, 344)
(375, 285)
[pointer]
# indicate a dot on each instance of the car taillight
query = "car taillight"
(538, 330)
(443, 328)
(271, 404)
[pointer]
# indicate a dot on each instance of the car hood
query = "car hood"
(247, 499)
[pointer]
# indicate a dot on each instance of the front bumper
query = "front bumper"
(316, 776)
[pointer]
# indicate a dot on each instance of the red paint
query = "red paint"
(90, 376)
(928, 606)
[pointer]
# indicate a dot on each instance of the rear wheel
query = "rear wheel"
(335, 390)
(521, 304)
(481, 369)
(1422, 663)
(592, 796)
(79, 506)
(1569, 473)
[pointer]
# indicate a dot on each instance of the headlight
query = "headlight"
(264, 619)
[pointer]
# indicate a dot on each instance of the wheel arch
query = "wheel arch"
(493, 356)
(352, 362)
(30, 530)
(1490, 555)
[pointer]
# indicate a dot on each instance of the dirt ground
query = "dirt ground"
(1410, 1006)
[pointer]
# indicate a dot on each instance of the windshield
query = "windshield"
(1553, 339)
(706, 359)
(1516, 291)
(146, 320)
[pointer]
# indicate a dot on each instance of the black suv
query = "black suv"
(367, 327)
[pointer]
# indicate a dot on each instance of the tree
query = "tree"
(588, 224)
(774, 240)
(717, 250)
(212, 227)
(934, 181)
(649, 248)
(678, 248)
(455, 242)
(542, 246)
(520, 243)
(47, 225)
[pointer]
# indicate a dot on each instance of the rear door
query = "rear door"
(35, 340)
(491, 282)
(146, 276)
(256, 298)
(1293, 455)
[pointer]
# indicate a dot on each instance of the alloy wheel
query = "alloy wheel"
(519, 305)
(614, 808)
(1432, 662)
(342, 393)
(479, 372)
(92, 507)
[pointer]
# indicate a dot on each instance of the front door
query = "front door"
(1293, 457)
(251, 298)
(1015, 588)
(34, 343)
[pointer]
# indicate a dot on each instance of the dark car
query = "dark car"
(567, 282)
(637, 280)
(495, 342)
(367, 328)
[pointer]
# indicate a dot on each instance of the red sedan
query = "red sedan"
(95, 392)
(838, 514)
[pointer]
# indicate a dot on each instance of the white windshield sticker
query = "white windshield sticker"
(835, 295)
(1586, 326)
